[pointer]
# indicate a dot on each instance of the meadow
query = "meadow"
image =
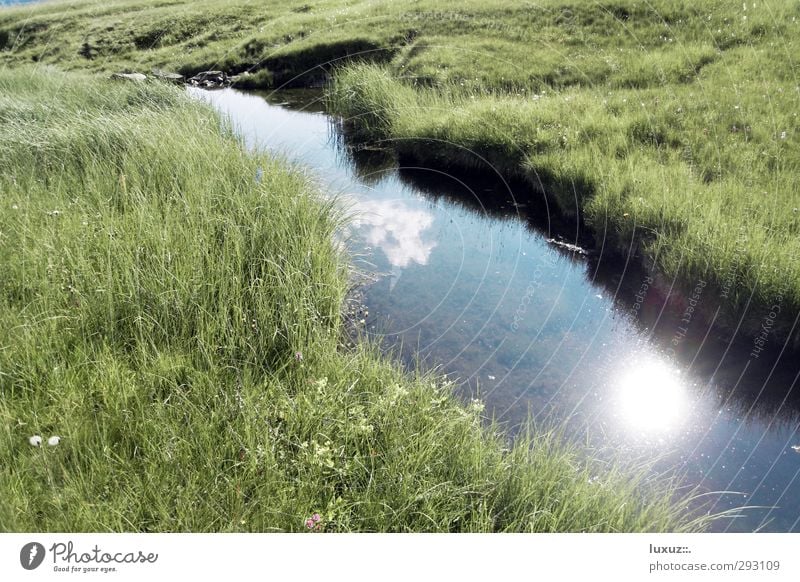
(171, 309)
(171, 305)
(669, 127)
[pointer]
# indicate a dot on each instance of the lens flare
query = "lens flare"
(652, 397)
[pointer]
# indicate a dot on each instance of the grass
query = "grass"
(170, 307)
(669, 126)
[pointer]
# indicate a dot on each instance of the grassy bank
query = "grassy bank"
(170, 307)
(670, 125)
(700, 180)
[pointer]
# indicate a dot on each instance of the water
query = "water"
(468, 283)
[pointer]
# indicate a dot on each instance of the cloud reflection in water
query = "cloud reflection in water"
(397, 230)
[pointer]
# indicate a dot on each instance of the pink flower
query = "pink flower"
(310, 523)
(316, 517)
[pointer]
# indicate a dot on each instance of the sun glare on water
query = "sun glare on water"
(652, 397)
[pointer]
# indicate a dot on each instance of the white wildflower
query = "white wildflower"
(53, 440)
(35, 440)
(476, 405)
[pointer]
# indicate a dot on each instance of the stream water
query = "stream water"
(468, 282)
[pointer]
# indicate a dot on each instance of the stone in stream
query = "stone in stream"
(136, 77)
(209, 79)
(167, 76)
(568, 246)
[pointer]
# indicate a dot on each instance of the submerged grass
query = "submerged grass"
(170, 307)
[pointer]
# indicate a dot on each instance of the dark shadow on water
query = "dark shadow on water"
(762, 386)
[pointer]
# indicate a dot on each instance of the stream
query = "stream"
(474, 279)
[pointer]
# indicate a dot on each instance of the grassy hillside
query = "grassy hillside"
(669, 125)
(499, 45)
(170, 307)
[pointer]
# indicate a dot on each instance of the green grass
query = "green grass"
(154, 297)
(669, 125)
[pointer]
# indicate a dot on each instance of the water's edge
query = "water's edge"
(476, 285)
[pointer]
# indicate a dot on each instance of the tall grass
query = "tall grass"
(170, 307)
